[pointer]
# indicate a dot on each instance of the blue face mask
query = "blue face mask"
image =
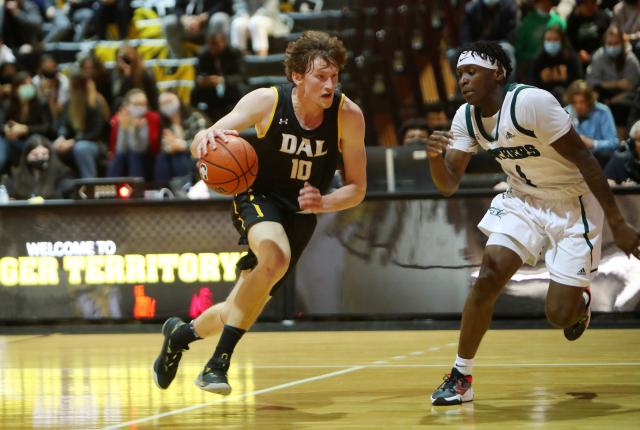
(613, 50)
(552, 47)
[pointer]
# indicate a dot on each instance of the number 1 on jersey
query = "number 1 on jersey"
(301, 169)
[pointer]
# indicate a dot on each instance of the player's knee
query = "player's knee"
(274, 260)
(559, 314)
(489, 282)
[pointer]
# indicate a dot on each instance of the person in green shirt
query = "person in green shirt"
(530, 37)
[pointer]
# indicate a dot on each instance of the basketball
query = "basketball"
(231, 167)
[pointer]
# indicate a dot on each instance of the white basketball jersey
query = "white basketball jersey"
(528, 122)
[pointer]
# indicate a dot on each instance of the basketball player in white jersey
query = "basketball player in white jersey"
(554, 208)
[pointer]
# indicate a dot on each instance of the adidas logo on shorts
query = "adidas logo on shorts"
(582, 272)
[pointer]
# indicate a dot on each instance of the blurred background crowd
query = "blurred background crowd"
(113, 88)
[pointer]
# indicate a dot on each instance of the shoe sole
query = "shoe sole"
(454, 400)
(164, 346)
(222, 389)
(570, 336)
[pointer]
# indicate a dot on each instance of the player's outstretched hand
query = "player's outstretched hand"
(310, 198)
(627, 238)
(210, 140)
(437, 143)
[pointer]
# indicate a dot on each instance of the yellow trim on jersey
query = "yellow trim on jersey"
(342, 99)
(258, 211)
(273, 113)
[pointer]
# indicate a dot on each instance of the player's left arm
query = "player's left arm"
(571, 147)
(355, 161)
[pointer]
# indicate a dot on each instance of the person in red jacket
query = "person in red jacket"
(135, 137)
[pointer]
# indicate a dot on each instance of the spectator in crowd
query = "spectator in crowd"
(7, 72)
(437, 118)
(530, 35)
(82, 132)
(130, 73)
(21, 24)
(135, 137)
(218, 77)
(557, 65)
(179, 126)
(39, 172)
(69, 20)
(592, 120)
(95, 70)
(624, 166)
(52, 86)
(25, 116)
(496, 20)
(585, 28)
(615, 74)
(259, 20)
(192, 20)
(626, 16)
(113, 11)
(414, 132)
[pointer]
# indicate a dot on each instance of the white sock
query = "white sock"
(464, 365)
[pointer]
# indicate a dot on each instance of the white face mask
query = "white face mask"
(137, 111)
(169, 109)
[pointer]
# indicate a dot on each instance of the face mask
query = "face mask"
(491, 3)
(552, 47)
(137, 111)
(170, 109)
(37, 164)
(26, 92)
(613, 50)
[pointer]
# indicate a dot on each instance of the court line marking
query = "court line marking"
(379, 364)
(239, 396)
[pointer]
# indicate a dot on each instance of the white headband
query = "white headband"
(473, 58)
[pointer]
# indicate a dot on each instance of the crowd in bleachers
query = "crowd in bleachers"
(92, 88)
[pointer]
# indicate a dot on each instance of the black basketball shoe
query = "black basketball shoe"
(576, 330)
(455, 390)
(214, 376)
(166, 365)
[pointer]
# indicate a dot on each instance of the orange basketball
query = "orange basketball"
(231, 168)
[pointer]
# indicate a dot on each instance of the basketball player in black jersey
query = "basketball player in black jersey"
(303, 128)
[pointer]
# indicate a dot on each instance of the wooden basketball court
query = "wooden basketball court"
(324, 380)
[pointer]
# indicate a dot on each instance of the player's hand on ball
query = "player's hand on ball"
(310, 198)
(627, 238)
(437, 143)
(210, 138)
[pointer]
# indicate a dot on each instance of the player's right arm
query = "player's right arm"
(458, 146)
(253, 109)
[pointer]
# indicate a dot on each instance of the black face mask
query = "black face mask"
(4, 80)
(49, 74)
(37, 164)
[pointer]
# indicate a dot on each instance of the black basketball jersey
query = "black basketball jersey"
(289, 155)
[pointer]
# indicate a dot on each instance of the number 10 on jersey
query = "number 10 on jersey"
(300, 169)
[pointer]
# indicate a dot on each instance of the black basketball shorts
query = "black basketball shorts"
(249, 209)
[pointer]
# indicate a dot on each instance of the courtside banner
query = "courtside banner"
(420, 257)
(115, 260)
(387, 257)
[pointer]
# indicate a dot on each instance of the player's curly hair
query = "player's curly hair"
(490, 51)
(301, 53)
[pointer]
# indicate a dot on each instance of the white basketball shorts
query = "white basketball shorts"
(568, 232)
